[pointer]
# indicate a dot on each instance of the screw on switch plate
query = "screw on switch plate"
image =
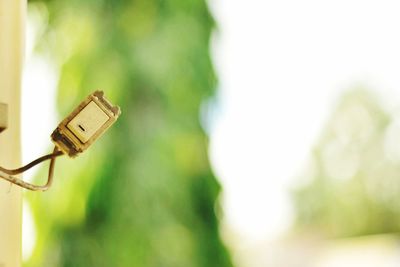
(3, 116)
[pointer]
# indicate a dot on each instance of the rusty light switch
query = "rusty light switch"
(85, 124)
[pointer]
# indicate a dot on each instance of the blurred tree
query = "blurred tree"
(144, 194)
(354, 182)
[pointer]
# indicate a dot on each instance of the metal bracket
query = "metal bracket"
(3, 117)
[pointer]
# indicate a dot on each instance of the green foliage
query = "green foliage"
(354, 179)
(144, 194)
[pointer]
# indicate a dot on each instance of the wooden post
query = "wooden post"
(12, 32)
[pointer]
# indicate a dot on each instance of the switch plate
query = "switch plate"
(85, 124)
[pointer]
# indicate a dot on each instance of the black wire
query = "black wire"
(56, 153)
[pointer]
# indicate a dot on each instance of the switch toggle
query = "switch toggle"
(88, 121)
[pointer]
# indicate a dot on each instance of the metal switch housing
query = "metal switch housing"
(85, 124)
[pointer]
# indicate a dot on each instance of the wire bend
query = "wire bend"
(7, 174)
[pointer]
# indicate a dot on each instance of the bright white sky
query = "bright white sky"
(39, 79)
(282, 65)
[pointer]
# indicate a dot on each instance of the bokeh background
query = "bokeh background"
(145, 195)
(253, 133)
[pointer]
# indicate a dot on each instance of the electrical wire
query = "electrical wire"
(7, 174)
